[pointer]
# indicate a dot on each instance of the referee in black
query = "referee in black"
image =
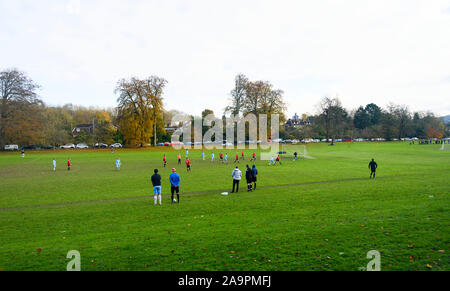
(373, 168)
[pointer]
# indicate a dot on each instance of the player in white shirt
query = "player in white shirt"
(54, 164)
(212, 157)
(272, 162)
(118, 164)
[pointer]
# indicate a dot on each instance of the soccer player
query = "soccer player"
(187, 153)
(271, 162)
(237, 158)
(253, 157)
(237, 175)
(118, 164)
(212, 157)
(373, 168)
(54, 164)
(255, 173)
(156, 181)
(203, 154)
(221, 157)
(23, 153)
(165, 160)
(226, 158)
(249, 178)
(69, 163)
(242, 155)
(295, 156)
(175, 179)
(188, 165)
(179, 159)
(278, 160)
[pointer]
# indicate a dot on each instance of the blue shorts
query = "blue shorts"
(156, 190)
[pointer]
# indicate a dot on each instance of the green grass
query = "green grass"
(289, 223)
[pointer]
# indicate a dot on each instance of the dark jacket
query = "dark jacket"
(373, 166)
(248, 174)
(156, 180)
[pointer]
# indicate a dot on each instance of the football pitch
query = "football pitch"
(320, 213)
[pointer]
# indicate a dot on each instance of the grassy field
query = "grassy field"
(312, 214)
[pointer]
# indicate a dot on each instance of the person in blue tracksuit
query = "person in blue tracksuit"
(175, 185)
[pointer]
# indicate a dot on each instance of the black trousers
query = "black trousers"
(173, 190)
(236, 185)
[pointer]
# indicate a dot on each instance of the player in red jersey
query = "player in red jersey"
(188, 165)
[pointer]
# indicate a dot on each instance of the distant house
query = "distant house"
(82, 128)
(296, 122)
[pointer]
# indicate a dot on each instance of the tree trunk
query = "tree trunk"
(154, 133)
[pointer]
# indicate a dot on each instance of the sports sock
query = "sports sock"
(160, 199)
(155, 198)
(178, 198)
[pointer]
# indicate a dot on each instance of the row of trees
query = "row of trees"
(371, 121)
(26, 120)
(140, 118)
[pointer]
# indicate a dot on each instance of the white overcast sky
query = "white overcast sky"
(363, 51)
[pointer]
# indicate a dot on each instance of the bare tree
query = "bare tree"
(332, 115)
(237, 95)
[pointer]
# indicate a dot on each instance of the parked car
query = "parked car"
(29, 147)
(161, 144)
(101, 145)
(47, 147)
(67, 146)
(116, 145)
(11, 147)
(82, 146)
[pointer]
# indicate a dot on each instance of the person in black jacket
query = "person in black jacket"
(249, 178)
(156, 181)
(255, 173)
(373, 168)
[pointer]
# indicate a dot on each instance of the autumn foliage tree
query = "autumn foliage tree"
(140, 109)
(20, 109)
